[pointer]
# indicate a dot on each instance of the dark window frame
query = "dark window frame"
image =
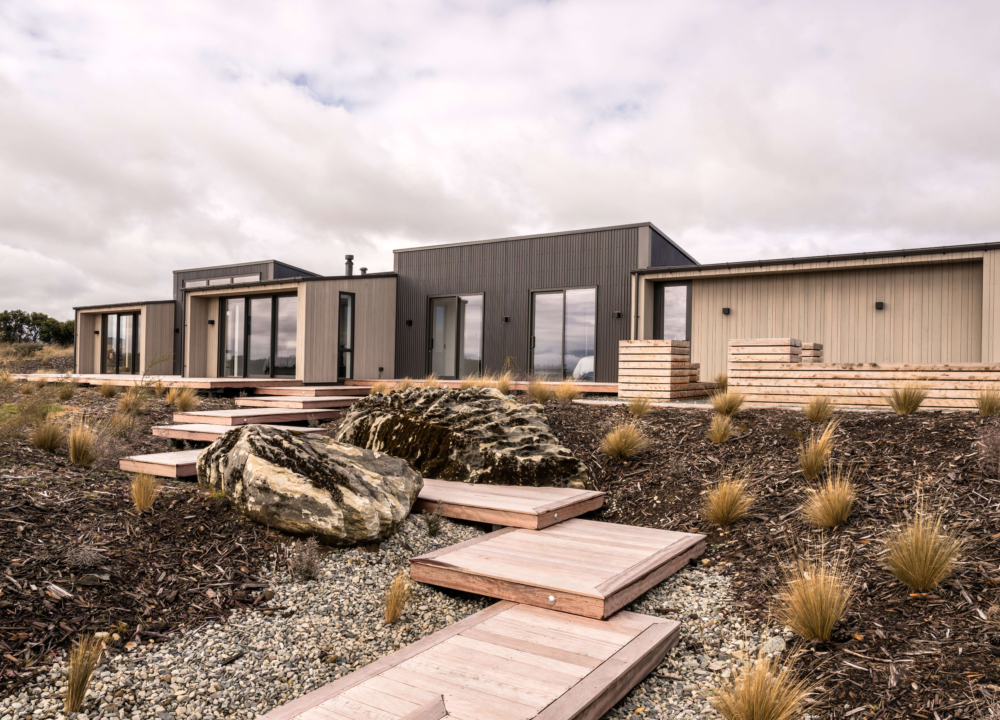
(221, 354)
(354, 325)
(658, 307)
(136, 320)
(429, 360)
(531, 323)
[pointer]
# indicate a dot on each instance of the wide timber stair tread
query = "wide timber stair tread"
(255, 416)
(201, 432)
(183, 463)
(298, 403)
(312, 391)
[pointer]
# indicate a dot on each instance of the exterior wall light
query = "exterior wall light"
(725, 311)
(97, 332)
(211, 322)
(617, 314)
(506, 318)
(409, 323)
(880, 305)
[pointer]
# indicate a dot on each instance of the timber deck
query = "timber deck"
(579, 566)
(183, 463)
(166, 380)
(602, 388)
(311, 391)
(507, 662)
(533, 508)
(254, 416)
(211, 433)
(297, 403)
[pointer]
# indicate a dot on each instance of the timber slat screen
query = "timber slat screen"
(659, 370)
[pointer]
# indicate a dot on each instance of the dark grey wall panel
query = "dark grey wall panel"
(664, 253)
(507, 272)
(282, 271)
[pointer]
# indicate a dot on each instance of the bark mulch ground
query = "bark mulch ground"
(75, 556)
(896, 654)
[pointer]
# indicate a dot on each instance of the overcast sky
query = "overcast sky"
(141, 137)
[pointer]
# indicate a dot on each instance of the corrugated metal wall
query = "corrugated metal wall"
(663, 253)
(933, 313)
(507, 272)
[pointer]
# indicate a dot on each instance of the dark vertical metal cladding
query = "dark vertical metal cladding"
(663, 253)
(506, 272)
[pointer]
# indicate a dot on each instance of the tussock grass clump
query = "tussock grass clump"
(159, 389)
(187, 400)
(67, 391)
(27, 388)
(503, 381)
(107, 390)
(5, 378)
(639, 407)
(720, 429)
(471, 381)
(816, 596)
(728, 501)
(379, 388)
(144, 487)
(568, 391)
(172, 392)
(132, 401)
(404, 384)
(540, 392)
(727, 403)
(47, 436)
(830, 505)
(431, 381)
(40, 383)
(762, 690)
(722, 380)
(396, 597)
(818, 409)
(304, 561)
(815, 452)
(988, 401)
(83, 660)
(82, 445)
(907, 398)
(921, 553)
(624, 440)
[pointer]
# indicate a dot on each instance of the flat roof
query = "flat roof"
(123, 304)
(249, 262)
(285, 281)
(944, 250)
(549, 234)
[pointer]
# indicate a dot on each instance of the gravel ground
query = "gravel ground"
(313, 632)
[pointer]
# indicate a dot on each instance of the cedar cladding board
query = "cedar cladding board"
(507, 271)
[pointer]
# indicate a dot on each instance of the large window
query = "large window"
(563, 333)
(456, 336)
(671, 316)
(120, 351)
(345, 337)
(258, 336)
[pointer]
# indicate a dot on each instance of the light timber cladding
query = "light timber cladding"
(507, 662)
(793, 383)
(659, 370)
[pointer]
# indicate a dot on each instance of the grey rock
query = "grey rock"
(310, 485)
(775, 645)
(477, 435)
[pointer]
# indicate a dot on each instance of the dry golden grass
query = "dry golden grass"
(816, 596)
(540, 392)
(988, 401)
(762, 690)
(82, 445)
(568, 391)
(815, 452)
(404, 384)
(471, 381)
(624, 440)
(728, 501)
(921, 553)
(67, 391)
(722, 380)
(818, 409)
(379, 388)
(6, 378)
(503, 381)
(132, 401)
(431, 381)
(83, 660)
(720, 429)
(40, 384)
(830, 505)
(727, 403)
(639, 407)
(187, 400)
(159, 389)
(396, 597)
(108, 390)
(907, 398)
(27, 388)
(47, 436)
(144, 487)
(172, 392)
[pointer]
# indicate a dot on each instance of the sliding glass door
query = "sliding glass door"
(563, 333)
(258, 336)
(120, 353)
(456, 336)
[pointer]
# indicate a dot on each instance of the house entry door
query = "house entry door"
(456, 336)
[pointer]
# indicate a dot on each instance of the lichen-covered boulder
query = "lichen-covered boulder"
(477, 435)
(310, 485)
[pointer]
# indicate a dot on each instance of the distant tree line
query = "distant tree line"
(17, 326)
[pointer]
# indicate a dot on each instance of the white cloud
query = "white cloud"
(136, 138)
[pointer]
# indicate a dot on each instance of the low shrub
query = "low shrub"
(727, 502)
(907, 398)
(568, 391)
(27, 388)
(304, 562)
(988, 401)
(83, 660)
(624, 440)
(82, 445)
(818, 409)
(67, 391)
(920, 552)
(830, 505)
(762, 690)
(720, 429)
(47, 436)
(815, 452)
(727, 403)
(108, 390)
(396, 597)
(639, 407)
(817, 594)
(132, 401)
(144, 488)
(187, 400)
(540, 392)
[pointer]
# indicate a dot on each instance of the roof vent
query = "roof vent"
(364, 271)
(349, 265)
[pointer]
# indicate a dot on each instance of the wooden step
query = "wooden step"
(297, 403)
(183, 463)
(211, 433)
(311, 391)
(254, 416)
(523, 507)
(507, 661)
(579, 566)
